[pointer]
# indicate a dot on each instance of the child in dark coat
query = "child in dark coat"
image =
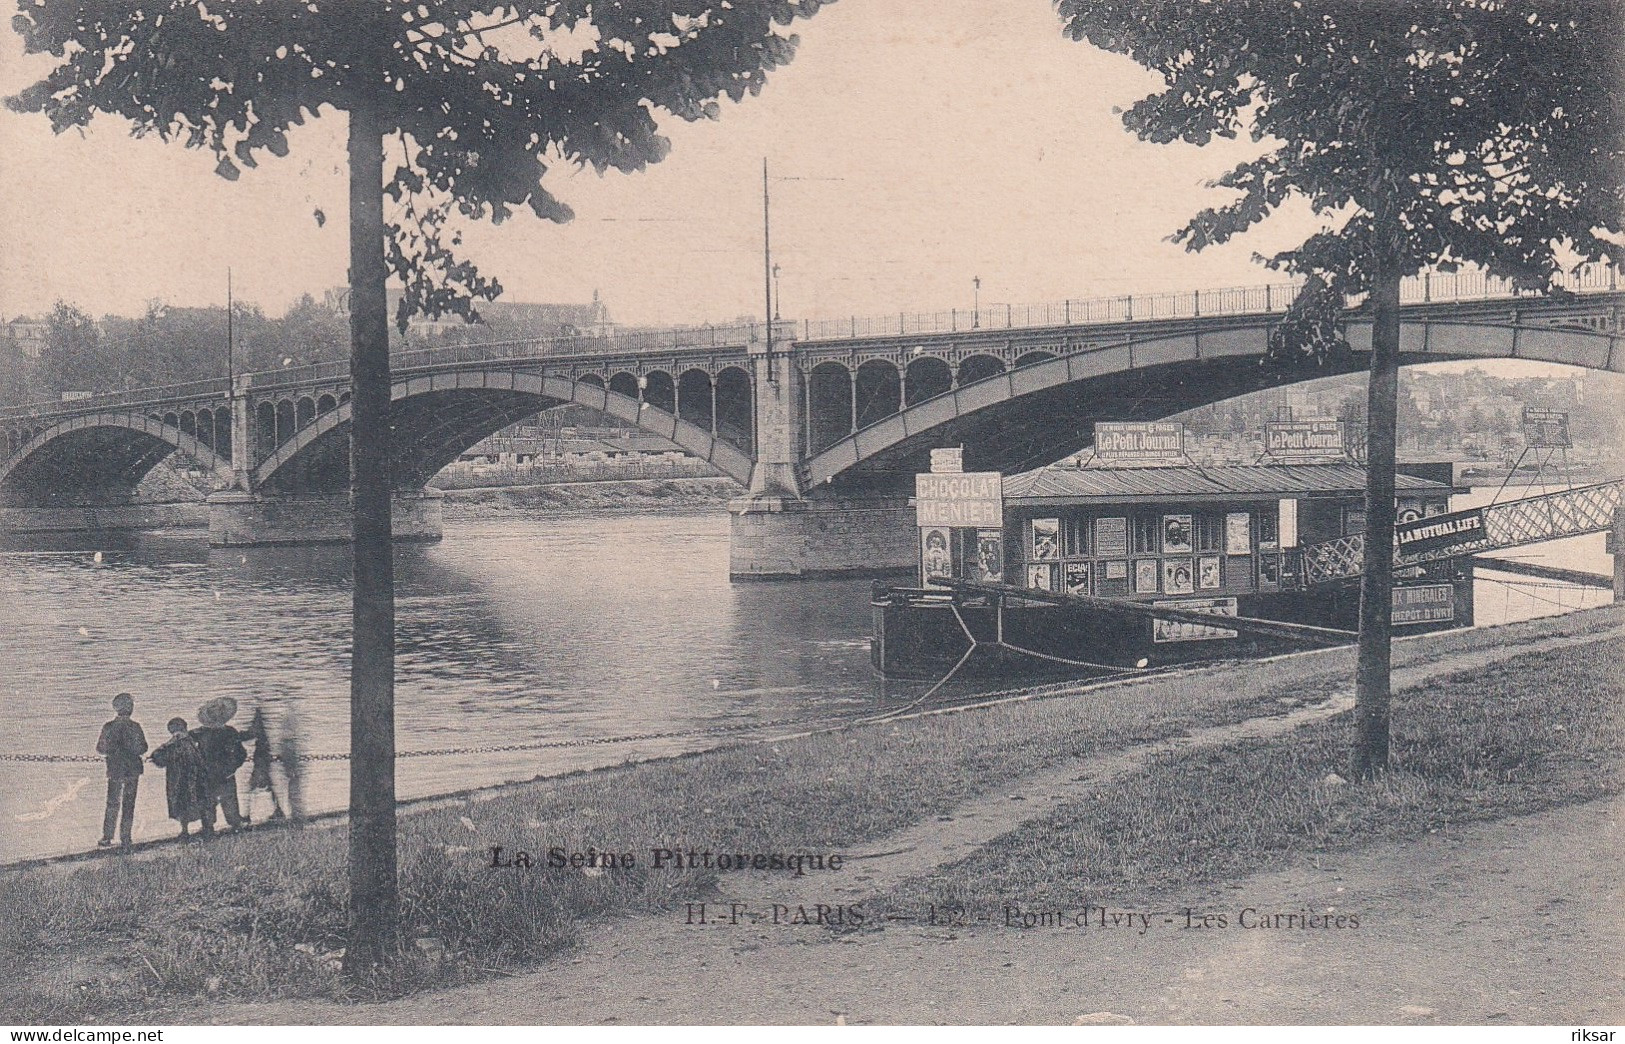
(221, 747)
(184, 783)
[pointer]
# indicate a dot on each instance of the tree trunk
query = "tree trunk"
(1371, 676)
(374, 901)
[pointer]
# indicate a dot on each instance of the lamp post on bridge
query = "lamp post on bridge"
(976, 303)
(241, 435)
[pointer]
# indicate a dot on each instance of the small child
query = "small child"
(183, 775)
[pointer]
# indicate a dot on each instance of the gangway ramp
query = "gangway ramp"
(1493, 527)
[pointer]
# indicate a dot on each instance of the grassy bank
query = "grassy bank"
(621, 495)
(262, 915)
(1541, 730)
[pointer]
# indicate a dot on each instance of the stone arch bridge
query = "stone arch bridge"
(823, 427)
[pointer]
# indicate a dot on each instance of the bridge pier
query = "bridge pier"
(777, 532)
(101, 518)
(238, 519)
(791, 538)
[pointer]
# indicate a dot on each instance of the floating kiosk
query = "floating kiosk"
(1122, 562)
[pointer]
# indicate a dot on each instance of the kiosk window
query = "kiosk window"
(1147, 534)
(1209, 532)
(1075, 537)
(1269, 528)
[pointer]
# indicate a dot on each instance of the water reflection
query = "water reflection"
(511, 631)
(514, 631)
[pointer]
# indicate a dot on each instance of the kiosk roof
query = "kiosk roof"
(1056, 486)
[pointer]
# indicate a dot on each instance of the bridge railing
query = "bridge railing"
(1239, 300)
(561, 349)
(208, 388)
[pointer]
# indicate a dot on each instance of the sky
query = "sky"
(914, 145)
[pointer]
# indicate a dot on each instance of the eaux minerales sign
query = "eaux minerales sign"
(1461, 529)
(974, 499)
(1140, 442)
(1424, 603)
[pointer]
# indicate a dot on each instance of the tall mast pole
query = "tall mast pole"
(767, 272)
(231, 342)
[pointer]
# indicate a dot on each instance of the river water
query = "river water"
(544, 630)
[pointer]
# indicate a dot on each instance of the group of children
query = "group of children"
(200, 768)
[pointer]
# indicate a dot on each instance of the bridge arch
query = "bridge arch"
(624, 383)
(222, 432)
(736, 411)
(979, 368)
(1033, 358)
(925, 378)
(286, 419)
(696, 398)
(438, 417)
(1038, 413)
(878, 388)
(830, 414)
(659, 390)
(108, 453)
(204, 431)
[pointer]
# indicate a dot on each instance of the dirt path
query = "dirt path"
(1514, 921)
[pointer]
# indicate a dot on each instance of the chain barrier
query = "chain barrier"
(1047, 690)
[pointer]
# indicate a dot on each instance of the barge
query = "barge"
(1062, 569)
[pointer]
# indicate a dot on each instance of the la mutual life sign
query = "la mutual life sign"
(1458, 531)
(973, 498)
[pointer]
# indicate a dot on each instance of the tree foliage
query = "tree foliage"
(1309, 333)
(1428, 134)
(479, 100)
(1432, 133)
(75, 356)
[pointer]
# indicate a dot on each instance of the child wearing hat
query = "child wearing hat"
(123, 743)
(221, 747)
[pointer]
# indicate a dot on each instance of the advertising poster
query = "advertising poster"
(1046, 538)
(1077, 578)
(988, 562)
(1140, 442)
(1238, 533)
(936, 555)
(1176, 534)
(1041, 576)
(1145, 575)
(1310, 438)
(1181, 631)
(1207, 573)
(1177, 576)
(974, 498)
(1111, 537)
(1545, 428)
(1117, 569)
